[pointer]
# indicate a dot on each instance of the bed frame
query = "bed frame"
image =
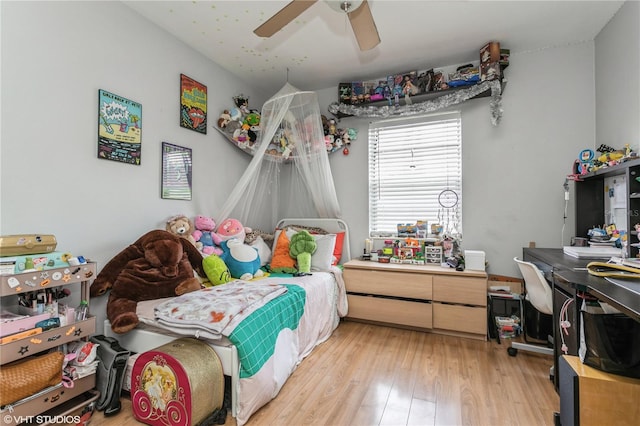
(143, 339)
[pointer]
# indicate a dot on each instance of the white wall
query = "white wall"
(512, 173)
(617, 84)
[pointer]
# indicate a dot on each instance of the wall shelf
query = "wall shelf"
(382, 108)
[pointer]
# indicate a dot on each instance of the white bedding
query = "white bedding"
(325, 303)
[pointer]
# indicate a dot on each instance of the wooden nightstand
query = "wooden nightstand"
(425, 297)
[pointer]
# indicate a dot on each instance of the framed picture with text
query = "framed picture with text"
(193, 105)
(119, 128)
(176, 172)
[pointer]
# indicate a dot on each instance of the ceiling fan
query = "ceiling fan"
(358, 12)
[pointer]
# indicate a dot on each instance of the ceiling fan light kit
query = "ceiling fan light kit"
(358, 11)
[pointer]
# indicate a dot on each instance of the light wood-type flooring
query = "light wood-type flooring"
(373, 375)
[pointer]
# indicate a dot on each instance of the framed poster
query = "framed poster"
(176, 172)
(193, 105)
(119, 128)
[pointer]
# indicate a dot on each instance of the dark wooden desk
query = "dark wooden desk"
(569, 273)
(570, 279)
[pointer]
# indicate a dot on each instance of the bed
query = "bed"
(322, 301)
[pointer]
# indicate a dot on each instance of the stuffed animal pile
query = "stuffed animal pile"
(229, 244)
(240, 123)
(165, 263)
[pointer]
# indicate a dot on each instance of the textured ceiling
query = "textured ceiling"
(318, 49)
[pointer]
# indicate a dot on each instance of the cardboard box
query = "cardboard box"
(490, 52)
(502, 281)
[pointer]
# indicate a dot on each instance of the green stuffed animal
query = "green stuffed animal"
(216, 270)
(301, 247)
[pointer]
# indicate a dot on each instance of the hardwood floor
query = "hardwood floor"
(372, 375)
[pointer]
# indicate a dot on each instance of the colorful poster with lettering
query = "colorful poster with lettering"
(119, 128)
(193, 105)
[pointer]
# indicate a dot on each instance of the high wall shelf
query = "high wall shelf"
(424, 97)
(55, 400)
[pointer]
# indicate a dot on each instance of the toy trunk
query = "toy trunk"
(16, 245)
(180, 383)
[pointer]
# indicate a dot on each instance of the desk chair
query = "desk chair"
(538, 292)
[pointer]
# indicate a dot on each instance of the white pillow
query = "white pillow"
(322, 258)
(263, 250)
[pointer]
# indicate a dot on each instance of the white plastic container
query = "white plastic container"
(474, 260)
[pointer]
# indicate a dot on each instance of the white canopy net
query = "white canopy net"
(274, 187)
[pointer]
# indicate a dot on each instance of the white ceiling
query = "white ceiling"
(318, 49)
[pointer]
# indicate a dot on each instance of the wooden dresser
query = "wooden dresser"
(425, 297)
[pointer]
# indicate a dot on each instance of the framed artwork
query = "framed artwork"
(119, 128)
(193, 105)
(176, 172)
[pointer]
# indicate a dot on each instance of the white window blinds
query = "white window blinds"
(411, 162)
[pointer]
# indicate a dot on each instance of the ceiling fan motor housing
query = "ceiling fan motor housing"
(345, 6)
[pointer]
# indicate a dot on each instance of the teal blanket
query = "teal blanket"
(255, 337)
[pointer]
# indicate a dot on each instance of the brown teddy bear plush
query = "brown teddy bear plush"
(159, 264)
(181, 226)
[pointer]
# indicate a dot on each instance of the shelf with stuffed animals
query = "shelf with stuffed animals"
(241, 126)
(416, 92)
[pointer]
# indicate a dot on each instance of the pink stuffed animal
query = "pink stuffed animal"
(205, 236)
(230, 228)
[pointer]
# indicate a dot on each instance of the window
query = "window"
(415, 172)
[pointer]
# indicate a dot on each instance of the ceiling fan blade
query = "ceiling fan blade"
(364, 27)
(283, 17)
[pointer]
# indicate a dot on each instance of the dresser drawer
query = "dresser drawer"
(401, 312)
(467, 319)
(464, 290)
(397, 284)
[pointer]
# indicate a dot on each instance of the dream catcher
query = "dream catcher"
(448, 214)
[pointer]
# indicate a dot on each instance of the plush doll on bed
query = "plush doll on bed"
(204, 235)
(301, 247)
(242, 260)
(230, 228)
(159, 264)
(181, 226)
